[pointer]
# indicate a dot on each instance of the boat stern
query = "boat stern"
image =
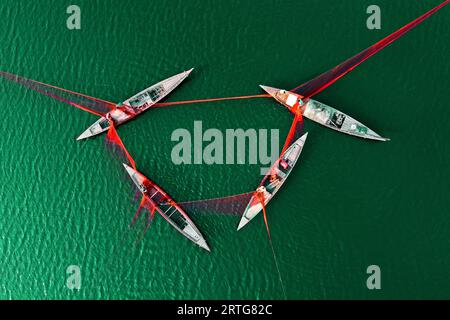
(86, 134)
(100, 126)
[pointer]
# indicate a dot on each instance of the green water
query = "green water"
(349, 203)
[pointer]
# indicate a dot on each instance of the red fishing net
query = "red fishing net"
(84, 102)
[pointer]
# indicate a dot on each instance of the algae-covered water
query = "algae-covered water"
(348, 204)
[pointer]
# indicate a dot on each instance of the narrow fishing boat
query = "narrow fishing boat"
(135, 105)
(156, 199)
(323, 114)
(273, 181)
